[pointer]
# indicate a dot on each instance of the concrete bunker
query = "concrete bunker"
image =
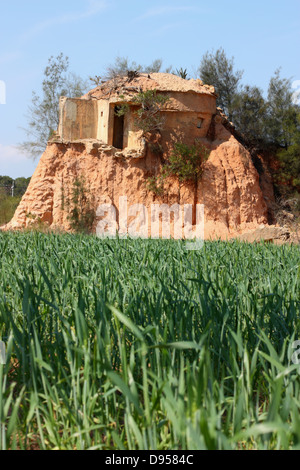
(188, 112)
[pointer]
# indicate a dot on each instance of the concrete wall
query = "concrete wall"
(103, 120)
(187, 118)
(78, 119)
(185, 126)
(94, 119)
(133, 134)
(191, 102)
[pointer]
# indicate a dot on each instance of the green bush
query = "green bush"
(149, 118)
(8, 205)
(186, 163)
(81, 210)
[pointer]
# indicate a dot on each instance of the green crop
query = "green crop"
(131, 344)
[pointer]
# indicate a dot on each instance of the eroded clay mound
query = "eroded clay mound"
(229, 187)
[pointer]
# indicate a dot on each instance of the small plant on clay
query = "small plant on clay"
(82, 213)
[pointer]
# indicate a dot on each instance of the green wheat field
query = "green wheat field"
(143, 345)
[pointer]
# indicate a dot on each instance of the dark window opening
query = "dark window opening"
(200, 123)
(118, 139)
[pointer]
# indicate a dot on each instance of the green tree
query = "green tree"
(122, 65)
(154, 67)
(6, 181)
(289, 172)
(43, 113)
(17, 187)
(21, 184)
(249, 113)
(282, 112)
(217, 70)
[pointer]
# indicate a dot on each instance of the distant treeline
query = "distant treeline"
(11, 192)
(17, 187)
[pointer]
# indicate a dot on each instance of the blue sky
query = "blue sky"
(262, 35)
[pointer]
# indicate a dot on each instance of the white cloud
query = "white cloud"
(165, 28)
(14, 164)
(9, 57)
(93, 7)
(9, 152)
(165, 10)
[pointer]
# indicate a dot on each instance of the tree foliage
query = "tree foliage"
(249, 113)
(16, 186)
(149, 118)
(8, 206)
(9, 203)
(122, 65)
(289, 172)
(43, 113)
(6, 181)
(186, 163)
(21, 184)
(282, 112)
(182, 73)
(81, 207)
(217, 70)
(269, 123)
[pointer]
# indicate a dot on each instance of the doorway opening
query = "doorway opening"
(118, 137)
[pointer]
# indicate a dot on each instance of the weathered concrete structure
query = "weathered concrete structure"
(188, 111)
(78, 119)
(115, 159)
